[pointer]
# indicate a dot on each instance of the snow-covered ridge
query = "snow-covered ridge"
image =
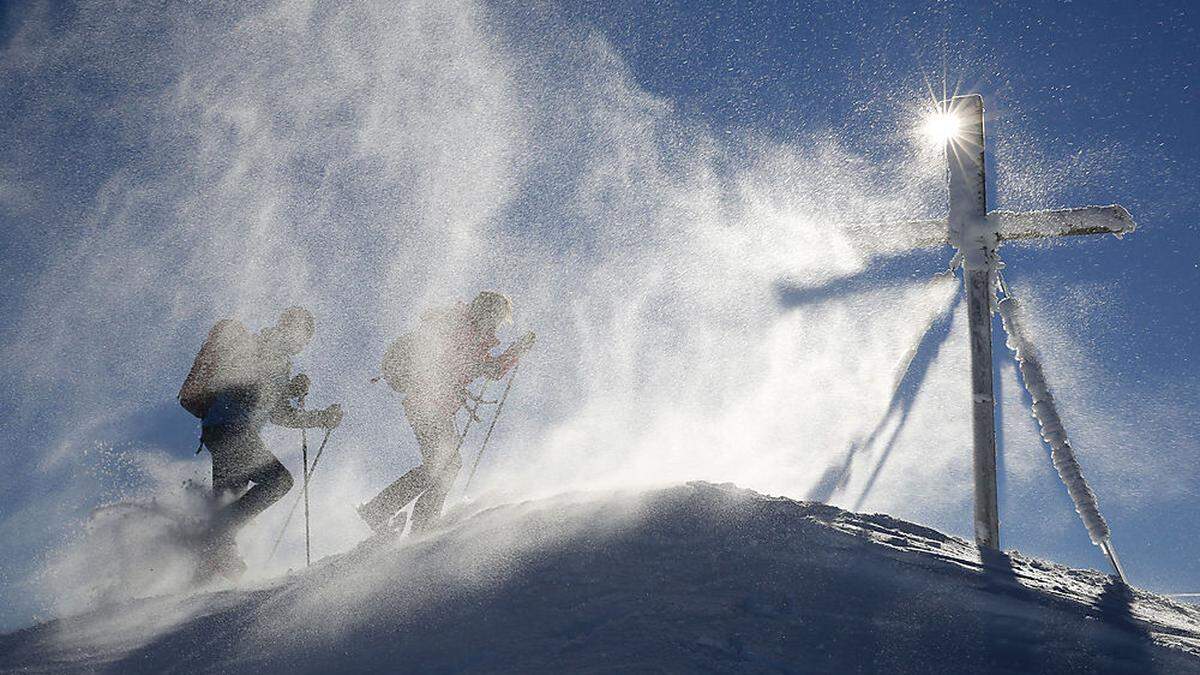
(693, 577)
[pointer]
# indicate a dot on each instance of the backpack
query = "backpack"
(414, 361)
(226, 345)
(398, 367)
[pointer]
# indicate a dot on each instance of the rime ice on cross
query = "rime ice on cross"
(977, 234)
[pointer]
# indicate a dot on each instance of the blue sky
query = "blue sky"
(641, 178)
(1062, 80)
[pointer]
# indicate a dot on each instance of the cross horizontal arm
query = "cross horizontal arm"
(1112, 219)
(1012, 225)
(906, 234)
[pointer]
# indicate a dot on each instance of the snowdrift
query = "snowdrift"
(694, 577)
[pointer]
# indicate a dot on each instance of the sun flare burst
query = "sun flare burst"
(942, 126)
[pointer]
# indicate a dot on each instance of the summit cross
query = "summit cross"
(977, 234)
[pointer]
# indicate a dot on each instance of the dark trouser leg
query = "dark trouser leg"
(438, 439)
(271, 482)
(240, 458)
(229, 479)
(395, 497)
(429, 506)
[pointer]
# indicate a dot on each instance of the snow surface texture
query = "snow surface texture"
(693, 577)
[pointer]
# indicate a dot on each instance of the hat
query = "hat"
(490, 308)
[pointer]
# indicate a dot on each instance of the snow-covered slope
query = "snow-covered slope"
(694, 577)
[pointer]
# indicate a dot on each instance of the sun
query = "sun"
(941, 126)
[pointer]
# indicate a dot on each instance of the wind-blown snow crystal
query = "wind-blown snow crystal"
(372, 161)
(945, 284)
(1052, 430)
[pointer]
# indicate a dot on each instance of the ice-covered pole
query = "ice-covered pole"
(976, 239)
(1046, 413)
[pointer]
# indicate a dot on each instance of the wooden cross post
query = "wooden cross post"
(976, 239)
(977, 235)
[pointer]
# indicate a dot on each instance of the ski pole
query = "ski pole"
(291, 512)
(316, 458)
(488, 436)
(470, 417)
(304, 456)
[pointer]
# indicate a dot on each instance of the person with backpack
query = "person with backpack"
(433, 366)
(238, 383)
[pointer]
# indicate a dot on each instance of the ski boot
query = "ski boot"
(382, 522)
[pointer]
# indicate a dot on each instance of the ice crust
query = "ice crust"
(1051, 425)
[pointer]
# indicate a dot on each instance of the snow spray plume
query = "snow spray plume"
(372, 161)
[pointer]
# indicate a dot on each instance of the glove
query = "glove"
(514, 353)
(331, 416)
(525, 343)
(298, 387)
